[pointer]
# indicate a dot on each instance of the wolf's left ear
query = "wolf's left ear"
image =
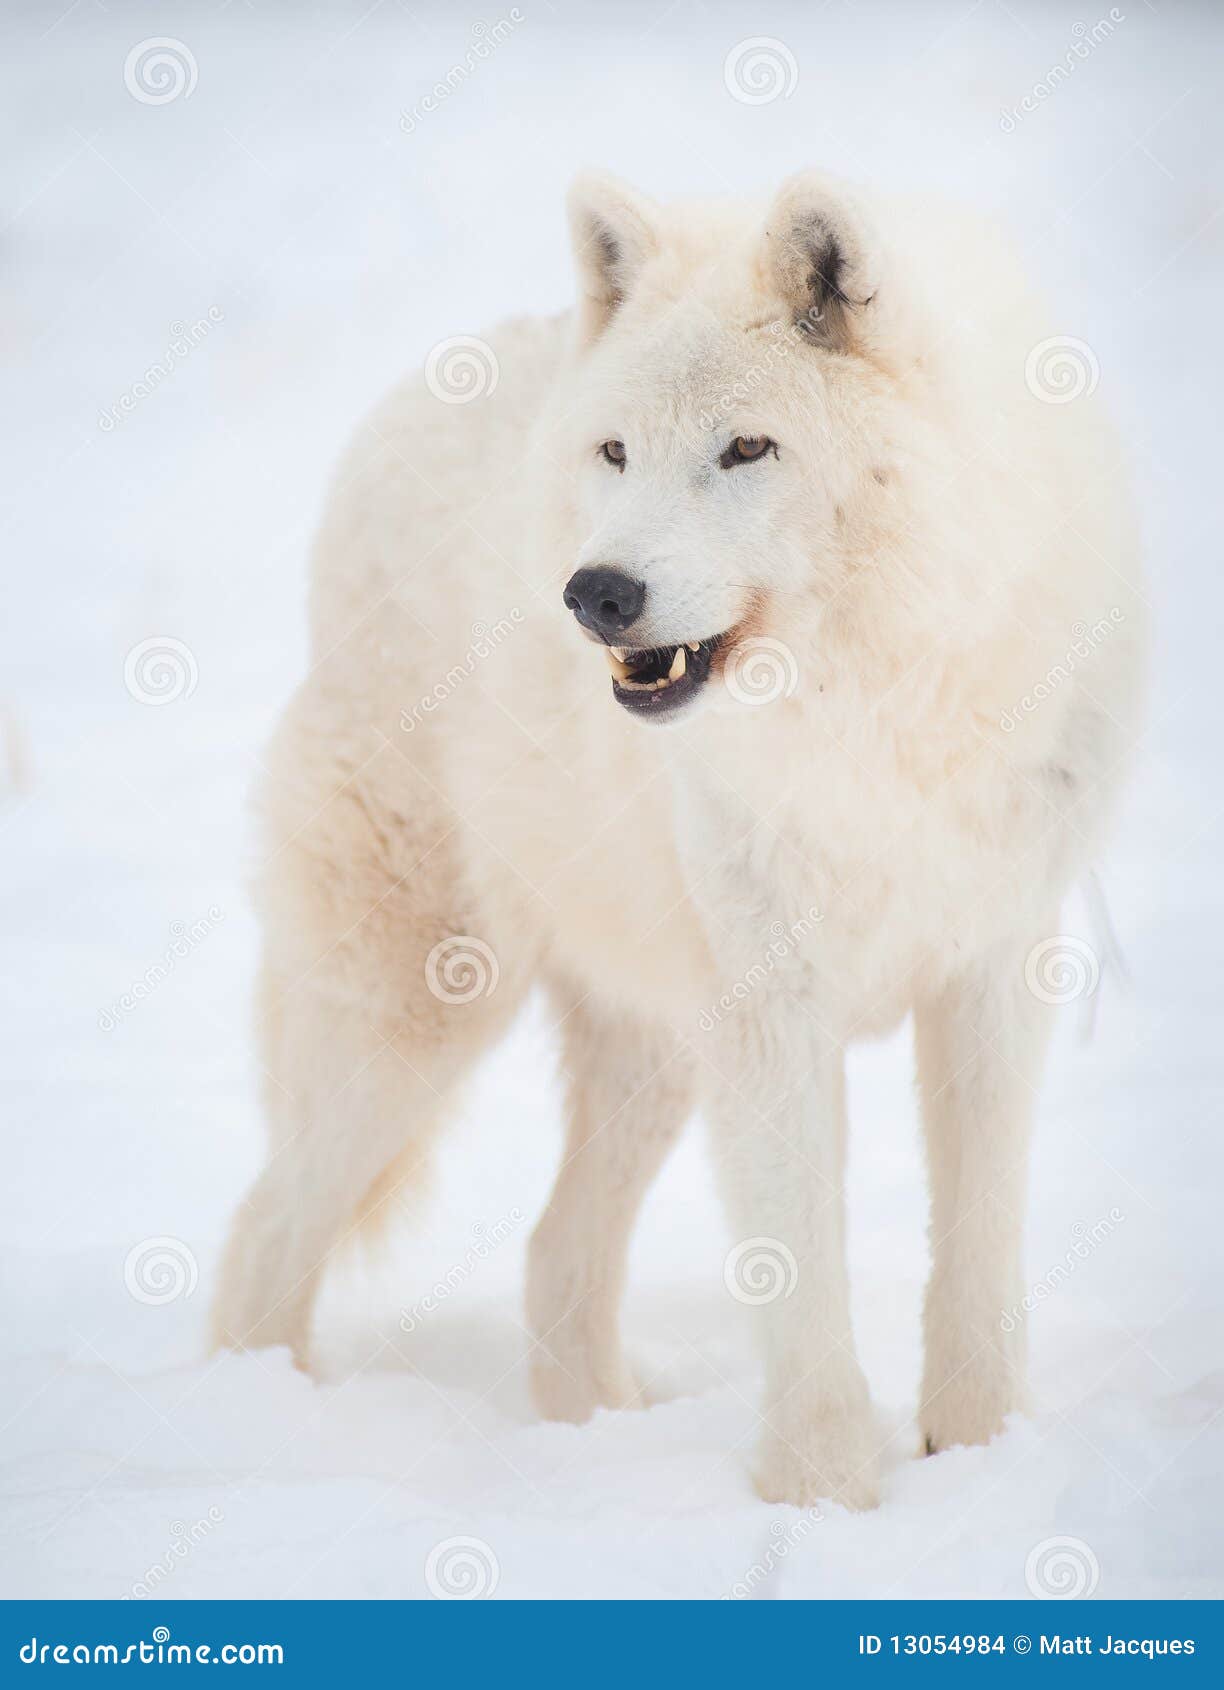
(820, 255)
(614, 231)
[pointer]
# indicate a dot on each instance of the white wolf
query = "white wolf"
(810, 481)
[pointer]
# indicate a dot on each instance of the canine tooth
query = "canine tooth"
(677, 664)
(618, 667)
(618, 652)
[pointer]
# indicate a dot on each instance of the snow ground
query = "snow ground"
(338, 248)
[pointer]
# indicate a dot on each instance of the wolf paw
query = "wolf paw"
(232, 1331)
(969, 1405)
(825, 1458)
(570, 1388)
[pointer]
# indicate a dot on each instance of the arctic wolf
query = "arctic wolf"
(707, 656)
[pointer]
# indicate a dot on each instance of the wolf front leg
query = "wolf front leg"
(980, 1046)
(630, 1092)
(776, 1102)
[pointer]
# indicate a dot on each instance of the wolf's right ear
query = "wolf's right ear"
(614, 231)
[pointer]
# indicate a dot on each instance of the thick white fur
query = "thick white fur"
(925, 545)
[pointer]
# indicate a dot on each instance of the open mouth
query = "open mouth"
(663, 679)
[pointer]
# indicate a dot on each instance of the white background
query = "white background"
(284, 192)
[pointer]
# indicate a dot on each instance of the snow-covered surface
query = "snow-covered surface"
(334, 248)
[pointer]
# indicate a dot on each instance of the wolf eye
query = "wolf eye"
(746, 449)
(614, 452)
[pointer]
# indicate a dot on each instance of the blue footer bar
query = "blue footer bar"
(623, 1643)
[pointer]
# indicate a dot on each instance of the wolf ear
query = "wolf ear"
(820, 256)
(614, 231)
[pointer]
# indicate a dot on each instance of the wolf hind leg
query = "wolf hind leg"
(384, 978)
(366, 1106)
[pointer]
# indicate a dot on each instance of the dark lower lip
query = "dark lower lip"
(657, 704)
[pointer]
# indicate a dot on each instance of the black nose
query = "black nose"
(605, 600)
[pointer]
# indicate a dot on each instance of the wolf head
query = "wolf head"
(724, 417)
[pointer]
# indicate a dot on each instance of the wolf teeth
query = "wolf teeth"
(623, 674)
